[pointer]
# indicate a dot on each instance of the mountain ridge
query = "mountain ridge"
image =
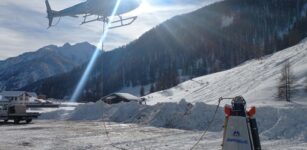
(47, 61)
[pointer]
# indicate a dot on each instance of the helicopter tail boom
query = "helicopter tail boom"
(50, 13)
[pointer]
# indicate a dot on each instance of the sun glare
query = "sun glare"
(89, 68)
(145, 7)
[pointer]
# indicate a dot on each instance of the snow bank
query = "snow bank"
(181, 115)
(283, 123)
(274, 123)
(58, 114)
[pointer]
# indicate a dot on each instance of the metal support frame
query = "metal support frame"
(121, 21)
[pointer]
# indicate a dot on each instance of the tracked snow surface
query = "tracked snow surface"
(256, 80)
(190, 105)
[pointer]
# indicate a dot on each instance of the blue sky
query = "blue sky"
(23, 24)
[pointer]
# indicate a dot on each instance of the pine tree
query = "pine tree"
(142, 91)
(285, 87)
(152, 88)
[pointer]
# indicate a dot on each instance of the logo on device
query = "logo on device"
(236, 133)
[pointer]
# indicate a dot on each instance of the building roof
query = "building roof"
(32, 94)
(127, 96)
(11, 93)
(17, 93)
(3, 99)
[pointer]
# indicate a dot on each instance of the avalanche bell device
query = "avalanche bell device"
(240, 128)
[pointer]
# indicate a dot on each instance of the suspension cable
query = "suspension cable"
(209, 125)
(57, 22)
(109, 138)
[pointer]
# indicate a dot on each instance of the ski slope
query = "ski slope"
(255, 80)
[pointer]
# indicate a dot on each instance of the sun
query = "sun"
(145, 7)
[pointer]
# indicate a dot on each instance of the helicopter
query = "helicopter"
(100, 9)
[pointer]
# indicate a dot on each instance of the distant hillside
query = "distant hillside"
(214, 38)
(48, 61)
(257, 80)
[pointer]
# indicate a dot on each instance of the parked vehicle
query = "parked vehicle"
(16, 112)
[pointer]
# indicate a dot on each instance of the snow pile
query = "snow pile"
(171, 115)
(58, 114)
(274, 123)
(283, 123)
(102, 111)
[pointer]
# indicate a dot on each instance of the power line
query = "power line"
(109, 139)
(209, 125)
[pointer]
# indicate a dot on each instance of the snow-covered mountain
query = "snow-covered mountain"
(256, 80)
(48, 61)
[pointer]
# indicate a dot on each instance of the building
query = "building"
(18, 97)
(3, 99)
(32, 94)
(120, 97)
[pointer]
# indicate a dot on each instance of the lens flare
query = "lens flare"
(145, 7)
(90, 65)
